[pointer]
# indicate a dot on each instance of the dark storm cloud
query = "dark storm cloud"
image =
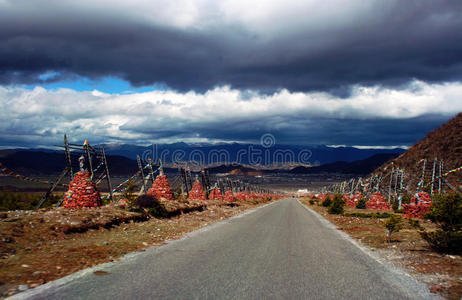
(388, 44)
(369, 117)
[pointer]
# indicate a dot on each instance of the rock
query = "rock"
(229, 196)
(436, 288)
(242, 196)
(8, 239)
(197, 193)
(215, 194)
(420, 205)
(82, 192)
(377, 201)
(161, 188)
(23, 287)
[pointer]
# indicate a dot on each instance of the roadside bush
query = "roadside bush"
(311, 201)
(361, 203)
(395, 205)
(327, 202)
(447, 214)
(152, 205)
(415, 224)
(336, 206)
(393, 224)
(366, 215)
(25, 201)
(406, 199)
(129, 192)
(382, 215)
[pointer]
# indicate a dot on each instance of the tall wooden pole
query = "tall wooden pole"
(138, 159)
(151, 170)
(189, 177)
(433, 175)
(389, 186)
(108, 177)
(68, 157)
(90, 165)
(439, 177)
(422, 181)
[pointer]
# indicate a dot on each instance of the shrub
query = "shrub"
(152, 205)
(129, 192)
(327, 202)
(406, 199)
(447, 214)
(25, 201)
(395, 205)
(370, 215)
(336, 206)
(311, 201)
(393, 224)
(447, 211)
(444, 241)
(361, 203)
(383, 215)
(415, 224)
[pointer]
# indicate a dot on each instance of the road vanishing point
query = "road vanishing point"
(279, 251)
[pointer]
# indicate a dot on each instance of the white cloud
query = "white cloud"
(40, 114)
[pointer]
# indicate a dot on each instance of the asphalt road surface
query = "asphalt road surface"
(280, 251)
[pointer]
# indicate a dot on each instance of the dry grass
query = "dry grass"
(38, 247)
(442, 273)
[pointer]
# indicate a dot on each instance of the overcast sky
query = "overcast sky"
(336, 72)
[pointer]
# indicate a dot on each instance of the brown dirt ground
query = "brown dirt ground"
(41, 246)
(442, 273)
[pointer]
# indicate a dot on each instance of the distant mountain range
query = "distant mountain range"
(52, 162)
(247, 154)
(238, 159)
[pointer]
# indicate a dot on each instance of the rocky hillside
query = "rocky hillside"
(444, 144)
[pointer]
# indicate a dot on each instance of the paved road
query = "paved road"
(280, 251)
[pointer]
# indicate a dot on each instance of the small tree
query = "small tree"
(447, 214)
(326, 202)
(129, 192)
(151, 205)
(361, 203)
(393, 224)
(336, 206)
(415, 224)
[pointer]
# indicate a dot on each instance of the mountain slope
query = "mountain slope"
(28, 162)
(359, 167)
(444, 143)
